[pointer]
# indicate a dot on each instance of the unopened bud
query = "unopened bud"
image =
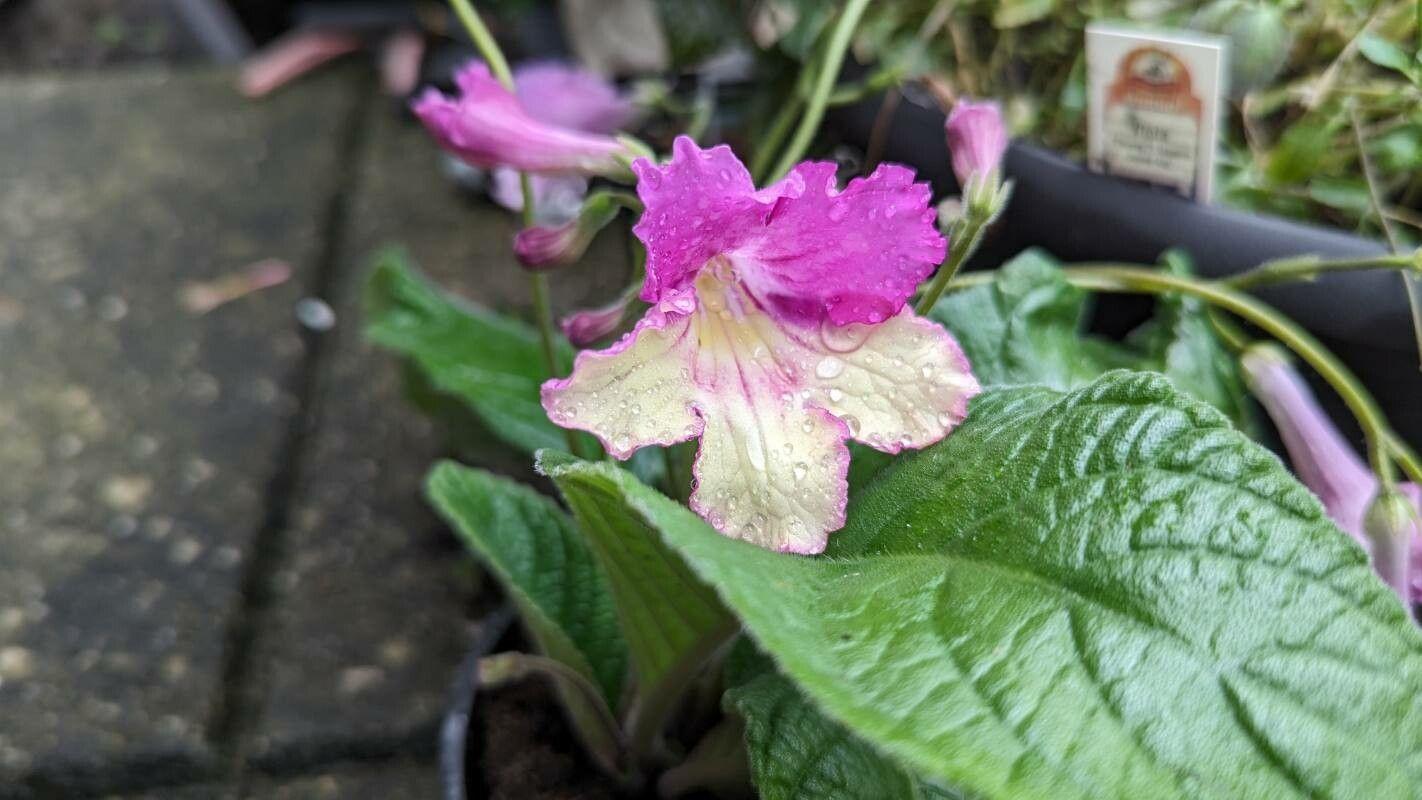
(976, 141)
(544, 247)
(585, 327)
(1392, 524)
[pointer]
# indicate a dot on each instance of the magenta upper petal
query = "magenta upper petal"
(571, 97)
(858, 254)
(487, 126)
(699, 204)
(802, 246)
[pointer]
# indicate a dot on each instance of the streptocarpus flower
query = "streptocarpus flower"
(777, 331)
(977, 139)
(1322, 458)
(487, 126)
(564, 96)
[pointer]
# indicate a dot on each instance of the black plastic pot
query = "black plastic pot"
(1078, 215)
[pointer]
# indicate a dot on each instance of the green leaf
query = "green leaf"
(1106, 593)
(492, 363)
(1300, 151)
(1025, 327)
(1386, 54)
(797, 752)
(543, 564)
(671, 619)
(1016, 13)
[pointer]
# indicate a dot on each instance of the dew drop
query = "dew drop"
(800, 470)
(836, 213)
(829, 367)
(835, 395)
(622, 442)
(945, 419)
(852, 422)
(926, 371)
(807, 426)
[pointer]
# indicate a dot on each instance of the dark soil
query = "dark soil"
(528, 753)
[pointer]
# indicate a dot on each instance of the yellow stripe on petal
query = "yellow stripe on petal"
(772, 473)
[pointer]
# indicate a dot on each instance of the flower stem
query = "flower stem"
(774, 135)
(959, 248)
(537, 282)
(1383, 444)
(824, 84)
(1309, 267)
(488, 48)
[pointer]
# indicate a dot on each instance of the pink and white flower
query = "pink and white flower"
(488, 126)
(777, 332)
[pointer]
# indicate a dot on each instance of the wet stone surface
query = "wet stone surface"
(140, 436)
(376, 598)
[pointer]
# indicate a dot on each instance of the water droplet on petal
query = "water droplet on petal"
(800, 470)
(807, 426)
(621, 442)
(926, 370)
(829, 367)
(835, 395)
(945, 419)
(852, 422)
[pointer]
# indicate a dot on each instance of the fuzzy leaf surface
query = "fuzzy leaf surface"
(668, 615)
(1103, 593)
(544, 566)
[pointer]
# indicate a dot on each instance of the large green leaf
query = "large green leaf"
(537, 554)
(1106, 593)
(492, 363)
(796, 752)
(1025, 327)
(670, 617)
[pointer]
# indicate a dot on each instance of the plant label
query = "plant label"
(1154, 106)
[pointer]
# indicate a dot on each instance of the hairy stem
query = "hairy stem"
(959, 248)
(1283, 270)
(819, 97)
(1117, 278)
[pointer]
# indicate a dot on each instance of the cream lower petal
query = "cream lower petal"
(772, 473)
(902, 384)
(635, 394)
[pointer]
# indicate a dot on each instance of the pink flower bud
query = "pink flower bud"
(585, 327)
(544, 247)
(976, 139)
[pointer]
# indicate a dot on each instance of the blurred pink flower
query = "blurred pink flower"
(1323, 460)
(488, 126)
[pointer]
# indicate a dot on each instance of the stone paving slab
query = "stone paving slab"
(380, 780)
(139, 438)
(376, 601)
